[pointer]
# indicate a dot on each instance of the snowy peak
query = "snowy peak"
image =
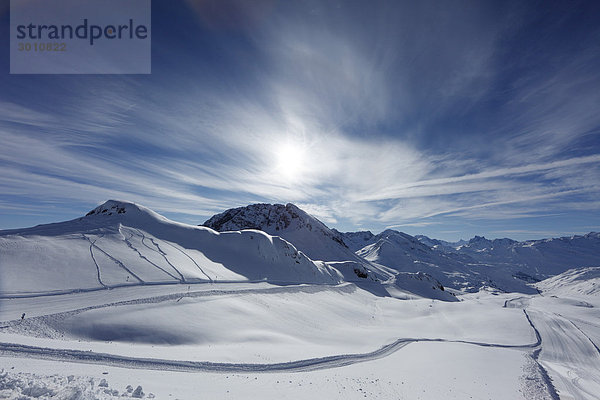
(124, 210)
(288, 221)
(270, 218)
(315, 239)
(480, 243)
(356, 240)
(111, 207)
(437, 244)
(399, 240)
(427, 240)
(392, 248)
(108, 215)
(112, 211)
(537, 258)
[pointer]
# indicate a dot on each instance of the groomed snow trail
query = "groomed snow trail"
(310, 364)
(569, 356)
(569, 360)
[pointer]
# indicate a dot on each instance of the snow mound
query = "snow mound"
(409, 285)
(26, 386)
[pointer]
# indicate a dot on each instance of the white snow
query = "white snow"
(254, 331)
(134, 305)
(137, 246)
(575, 282)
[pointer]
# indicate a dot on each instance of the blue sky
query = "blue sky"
(448, 119)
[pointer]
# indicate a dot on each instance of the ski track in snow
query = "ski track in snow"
(310, 364)
(94, 259)
(571, 380)
(346, 288)
(159, 251)
(188, 256)
(523, 302)
(128, 242)
(119, 263)
(582, 332)
(304, 365)
(517, 302)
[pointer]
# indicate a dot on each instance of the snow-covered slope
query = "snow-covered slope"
(356, 240)
(584, 281)
(121, 243)
(319, 242)
(420, 284)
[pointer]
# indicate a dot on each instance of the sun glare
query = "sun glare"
(291, 160)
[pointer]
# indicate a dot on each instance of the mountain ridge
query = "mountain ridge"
(122, 243)
(504, 263)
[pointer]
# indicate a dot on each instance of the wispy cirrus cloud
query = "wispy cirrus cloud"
(400, 115)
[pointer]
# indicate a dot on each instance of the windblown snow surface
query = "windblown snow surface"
(124, 303)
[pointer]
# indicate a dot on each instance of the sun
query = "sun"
(291, 160)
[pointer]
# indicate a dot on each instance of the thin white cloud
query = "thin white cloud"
(355, 104)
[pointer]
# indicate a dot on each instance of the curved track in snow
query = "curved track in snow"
(188, 256)
(94, 259)
(569, 359)
(310, 364)
(143, 257)
(159, 251)
(117, 261)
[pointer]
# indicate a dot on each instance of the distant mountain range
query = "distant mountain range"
(121, 243)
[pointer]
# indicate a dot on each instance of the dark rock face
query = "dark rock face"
(271, 218)
(255, 216)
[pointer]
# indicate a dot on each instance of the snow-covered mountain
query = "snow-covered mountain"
(382, 259)
(442, 245)
(532, 260)
(405, 253)
(121, 243)
(299, 339)
(308, 234)
(504, 264)
(319, 242)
